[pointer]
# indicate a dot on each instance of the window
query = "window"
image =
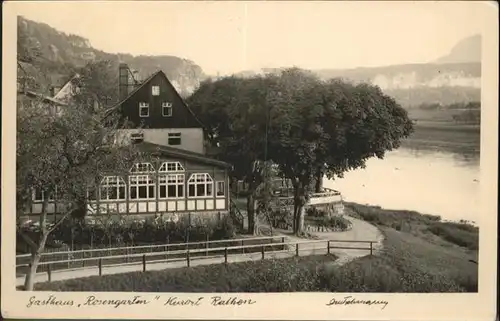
(166, 109)
(141, 187)
(39, 195)
(142, 168)
(155, 90)
(174, 138)
(171, 167)
(143, 109)
(112, 188)
(200, 185)
(220, 189)
(137, 137)
(171, 186)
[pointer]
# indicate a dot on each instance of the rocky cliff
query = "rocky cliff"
(63, 53)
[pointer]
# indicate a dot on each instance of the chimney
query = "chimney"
(123, 81)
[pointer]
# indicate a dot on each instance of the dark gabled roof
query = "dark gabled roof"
(147, 147)
(145, 82)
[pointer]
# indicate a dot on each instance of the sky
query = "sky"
(226, 37)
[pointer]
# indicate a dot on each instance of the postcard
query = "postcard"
(254, 160)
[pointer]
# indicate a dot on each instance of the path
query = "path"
(361, 231)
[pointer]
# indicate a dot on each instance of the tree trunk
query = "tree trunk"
(251, 213)
(319, 180)
(35, 259)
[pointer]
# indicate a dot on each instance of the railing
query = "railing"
(70, 257)
(236, 215)
(280, 250)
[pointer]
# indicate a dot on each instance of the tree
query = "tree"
(231, 109)
(60, 156)
(330, 128)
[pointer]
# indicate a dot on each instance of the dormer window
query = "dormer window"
(166, 109)
(143, 109)
(155, 90)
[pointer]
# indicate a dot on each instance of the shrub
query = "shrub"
(116, 232)
(456, 235)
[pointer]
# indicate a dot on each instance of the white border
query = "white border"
(307, 306)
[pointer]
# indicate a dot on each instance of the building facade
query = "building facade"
(181, 180)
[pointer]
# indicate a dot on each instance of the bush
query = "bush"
(132, 232)
(456, 234)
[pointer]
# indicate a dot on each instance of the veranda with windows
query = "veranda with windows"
(166, 186)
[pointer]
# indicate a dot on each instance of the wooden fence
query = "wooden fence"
(165, 253)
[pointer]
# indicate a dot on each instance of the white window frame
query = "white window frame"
(175, 180)
(155, 90)
(204, 179)
(174, 135)
(116, 183)
(171, 167)
(136, 136)
(42, 194)
(136, 182)
(167, 106)
(143, 105)
(142, 168)
(218, 184)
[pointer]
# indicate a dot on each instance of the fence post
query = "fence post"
(144, 263)
(297, 249)
(328, 247)
(100, 267)
(283, 239)
(225, 255)
(206, 247)
(49, 272)
(242, 249)
(371, 249)
(166, 252)
(262, 251)
(188, 259)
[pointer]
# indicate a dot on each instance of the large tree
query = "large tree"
(308, 127)
(60, 156)
(232, 111)
(328, 128)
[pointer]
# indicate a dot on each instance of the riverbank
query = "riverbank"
(445, 136)
(416, 257)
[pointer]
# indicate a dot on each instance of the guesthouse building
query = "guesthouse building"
(182, 179)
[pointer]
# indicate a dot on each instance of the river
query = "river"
(428, 181)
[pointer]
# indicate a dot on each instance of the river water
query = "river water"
(430, 182)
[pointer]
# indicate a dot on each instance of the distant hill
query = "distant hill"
(455, 78)
(62, 53)
(467, 50)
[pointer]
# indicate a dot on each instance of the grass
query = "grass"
(285, 275)
(408, 264)
(428, 227)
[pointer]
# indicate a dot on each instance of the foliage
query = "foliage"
(472, 116)
(310, 128)
(335, 222)
(461, 234)
(291, 274)
(64, 54)
(118, 232)
(456, 234)
(232, 109)
(61, 153)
